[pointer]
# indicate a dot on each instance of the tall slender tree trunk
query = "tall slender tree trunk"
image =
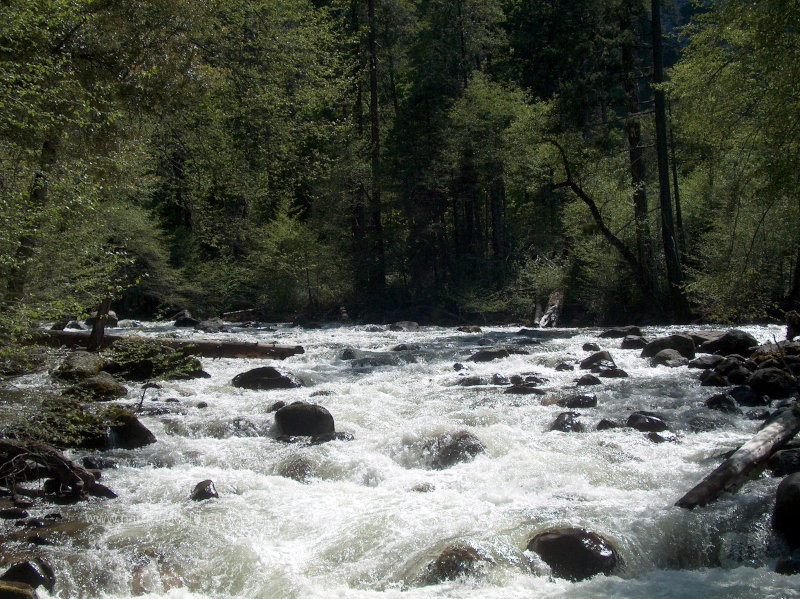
(18, 275)
(378, 270)
(671, 257)
(644, 250)
(678, 213)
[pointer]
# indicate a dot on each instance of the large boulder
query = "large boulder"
(792, 325)
(574, 553)
(646, 422)
(784, 462)
(79, 365)
(264, 379)
(670, 358)
(127, 432)
(683, 344)
(601, 360)
(100, 387)
(773, 382)
(587, 380)
(576, 402)
(731, 342)
(184, 319)
(35, 573)
(634, 342)
(706, 362)
(787, 505)
(300, 419)
(723, 402)
(453, 448)
(212, 325)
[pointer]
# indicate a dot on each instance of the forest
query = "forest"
(640, 158)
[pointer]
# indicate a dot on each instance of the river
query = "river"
(373, 515)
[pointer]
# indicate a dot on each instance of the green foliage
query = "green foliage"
(141, 359)
(61, 422)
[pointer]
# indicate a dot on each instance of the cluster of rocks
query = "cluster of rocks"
(571, 553)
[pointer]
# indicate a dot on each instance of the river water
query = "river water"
(373, 515)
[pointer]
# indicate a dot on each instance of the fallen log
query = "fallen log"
(746, 461)
(18, 457)
(204, 348)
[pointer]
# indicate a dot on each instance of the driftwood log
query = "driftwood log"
(746, 462)
(205, 349)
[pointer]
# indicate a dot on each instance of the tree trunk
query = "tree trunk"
(644, 250)
(99, 326)
(674, 272)
(748, 460)
(18, 275)
(678, 213)
(378, 267)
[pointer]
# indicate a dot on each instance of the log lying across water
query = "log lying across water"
(747, 461)
(204, 348)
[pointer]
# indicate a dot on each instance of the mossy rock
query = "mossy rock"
(139, 359)
(16, 590)
(100, 387)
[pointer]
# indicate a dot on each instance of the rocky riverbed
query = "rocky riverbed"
(428, 462)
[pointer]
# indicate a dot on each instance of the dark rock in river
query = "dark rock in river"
(524, 389)
(601, 359)
(301, 419)
(683, 344)
(453, 562)
(327, 437)
(565, 367)
(13, 513)
(634, 342)
(567, 422)
(723, 402)
(184, 319)
(100, 387)
(590, 347)
(606, 424)
(79, 365)
(662, 437)
(453, 448)
(587, 380)
(574, 553)
(404, 325)
(732, 342)
(773, 382)
(264, 378)
(787, 505)
(613, 373)
(709, 378)
(469, 329)
(789, 565)
(212, 325)
(576, 402)
(784, 462)
(706, 361)
(203, 490)
(407, 347)
(472, 381)
(487, 355)
(128, 432)
(620, 332)
(670, 358)
(35, 573)
(646, 422)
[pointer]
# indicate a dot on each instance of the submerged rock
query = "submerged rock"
(574, 553)
(264, 379)
(298, 468)
(453, 448)
(453, 562)
(302, 419)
